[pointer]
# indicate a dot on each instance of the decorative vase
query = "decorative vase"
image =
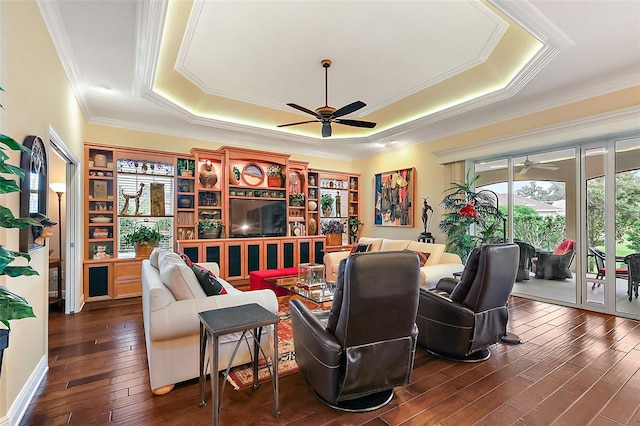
(334, 239)
(312, 226)
(274, 181)
(208, 177)
(100, 160)
(326, 211)
(313, 205)
(185, 172)
(184, 202)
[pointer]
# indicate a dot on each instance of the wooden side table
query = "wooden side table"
(246, 318)
(58, 300)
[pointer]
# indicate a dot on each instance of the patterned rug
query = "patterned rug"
(241, 377)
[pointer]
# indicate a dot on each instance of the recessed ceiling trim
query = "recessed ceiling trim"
(188, 116)
(150, 18)
(608, 123)
(527, 16)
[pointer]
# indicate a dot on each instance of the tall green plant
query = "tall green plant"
(467, 208)
(12, 306)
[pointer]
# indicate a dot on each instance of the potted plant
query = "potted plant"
(274, 176)
(186, 167)
(12, 306)
(466, 208)
(326, 203)
(296, 200)
(144, 238)
(333, 229)
(209, 228)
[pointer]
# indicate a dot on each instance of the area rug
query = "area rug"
(241, 377)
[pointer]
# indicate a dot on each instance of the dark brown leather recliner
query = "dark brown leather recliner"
(353, 355)
(459, 322)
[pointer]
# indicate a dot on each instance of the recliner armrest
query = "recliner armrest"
(314, 334)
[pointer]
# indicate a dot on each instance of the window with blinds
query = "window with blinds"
(145, 198)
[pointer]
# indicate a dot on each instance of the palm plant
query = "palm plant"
(469, 208)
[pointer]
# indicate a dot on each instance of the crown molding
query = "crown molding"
(608, 123)
(150, 18)
(56, 28)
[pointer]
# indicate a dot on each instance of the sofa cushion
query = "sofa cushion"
(374, 242)
(422, 256)
(186, 259)
(435, 251)
(360, 248)
(153, 257)
(178, 277)
(394, 245)
(208, 281)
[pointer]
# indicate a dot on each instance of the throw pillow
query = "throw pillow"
(422, 256)
(360, 248)
(469, 273)
(210, 285)
(332, 321)
(185, 258)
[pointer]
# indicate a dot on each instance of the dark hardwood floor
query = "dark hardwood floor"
(575, 368)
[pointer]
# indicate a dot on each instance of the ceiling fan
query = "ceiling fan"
(327, 115)
(528, 165)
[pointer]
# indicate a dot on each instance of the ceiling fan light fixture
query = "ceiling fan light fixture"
(327, 114)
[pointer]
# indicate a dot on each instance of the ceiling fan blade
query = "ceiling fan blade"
(326, 129)
(356, 123)
(348, 109)
(524, 170)
(303, 109)
(546, 167)
(299, 122)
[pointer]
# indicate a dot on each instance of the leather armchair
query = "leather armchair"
(355, 354)
(460, 323)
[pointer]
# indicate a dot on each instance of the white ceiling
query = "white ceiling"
(237, 63)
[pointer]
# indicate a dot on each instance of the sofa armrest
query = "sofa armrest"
(450, 258)
(180, 318)
(331, 262)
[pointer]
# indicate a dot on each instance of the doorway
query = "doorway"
(65, 206)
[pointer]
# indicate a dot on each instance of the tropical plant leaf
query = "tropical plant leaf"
(8, 168)
(12, 144)
(8, 185)
(8, 220)
(13, 306)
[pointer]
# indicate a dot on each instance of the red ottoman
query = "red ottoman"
(257, 282)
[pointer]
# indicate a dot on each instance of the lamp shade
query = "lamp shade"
(58, 187)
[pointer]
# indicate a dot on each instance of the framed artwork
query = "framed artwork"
(99, 189)
(394, 197)
(33, 192)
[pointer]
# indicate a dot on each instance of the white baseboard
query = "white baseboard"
(20, 405)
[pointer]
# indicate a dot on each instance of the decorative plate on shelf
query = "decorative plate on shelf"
(100, 219)
(252, 174)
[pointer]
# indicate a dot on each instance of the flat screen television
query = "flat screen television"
(257, 218)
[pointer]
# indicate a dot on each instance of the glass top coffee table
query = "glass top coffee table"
(319, 293)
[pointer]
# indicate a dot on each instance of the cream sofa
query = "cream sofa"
(171, 326)
(440, 264)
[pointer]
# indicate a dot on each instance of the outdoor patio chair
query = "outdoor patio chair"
(633, 276)
(527, 252)
(555, 266)
(599, 257)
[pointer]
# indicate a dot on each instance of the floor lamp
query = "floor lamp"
(59, 188)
